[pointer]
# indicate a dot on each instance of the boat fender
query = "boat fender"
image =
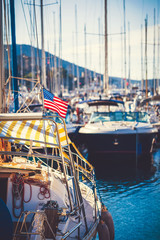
(6, 224)
(5, 146)
(103, 231)
(2, 156)
(107, 218)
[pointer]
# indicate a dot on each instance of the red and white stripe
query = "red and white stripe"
(57, 105)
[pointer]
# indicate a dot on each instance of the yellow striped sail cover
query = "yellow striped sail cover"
(33, 130)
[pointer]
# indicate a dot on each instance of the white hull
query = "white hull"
(34, 187)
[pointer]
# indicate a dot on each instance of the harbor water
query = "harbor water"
(132, 196)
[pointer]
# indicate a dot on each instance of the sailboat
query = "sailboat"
(42, 180)
(49, 188)
(116, 131)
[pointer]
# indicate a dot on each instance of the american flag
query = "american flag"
(54, 103)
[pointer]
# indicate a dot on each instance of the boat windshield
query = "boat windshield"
(119, 116)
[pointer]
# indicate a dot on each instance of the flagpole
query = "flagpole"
(44, 125)
(42, 102)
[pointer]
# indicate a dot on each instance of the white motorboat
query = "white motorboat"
(117, 131)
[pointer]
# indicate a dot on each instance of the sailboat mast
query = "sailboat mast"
(77, 48)
(1, 59)
(129, 56)
(85, 73)
(158, 47)
(146, 23)
(158, 80)
(14, 57)
(55, 60)
(106, 79)
(21, 52)
(142, 81)
(60, 80)
(38, 59)
(154, 79)
(99, 31)
(32, 49)
(90, 63)
(43, 52)
(124, 13)
(121, 60)
(73, 72)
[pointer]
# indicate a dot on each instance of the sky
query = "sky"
(87, 50)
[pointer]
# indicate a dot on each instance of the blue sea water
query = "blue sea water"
(132, 196)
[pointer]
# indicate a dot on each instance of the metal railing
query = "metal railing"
(71, 163)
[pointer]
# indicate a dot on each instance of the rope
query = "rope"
(44, 192)
(27, 99)
(18, 190)
(27, 79)
(30, 193)
(18, 194)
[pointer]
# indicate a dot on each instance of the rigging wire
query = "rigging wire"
(7, 33)
(142, 13)
(48, 4)
(32, 34)
(120, 9)
(35, 19)
(31, 22)
(49, 29)
(7, 30)
(25, 20)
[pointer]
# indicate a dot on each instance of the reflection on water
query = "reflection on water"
(132, 194)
